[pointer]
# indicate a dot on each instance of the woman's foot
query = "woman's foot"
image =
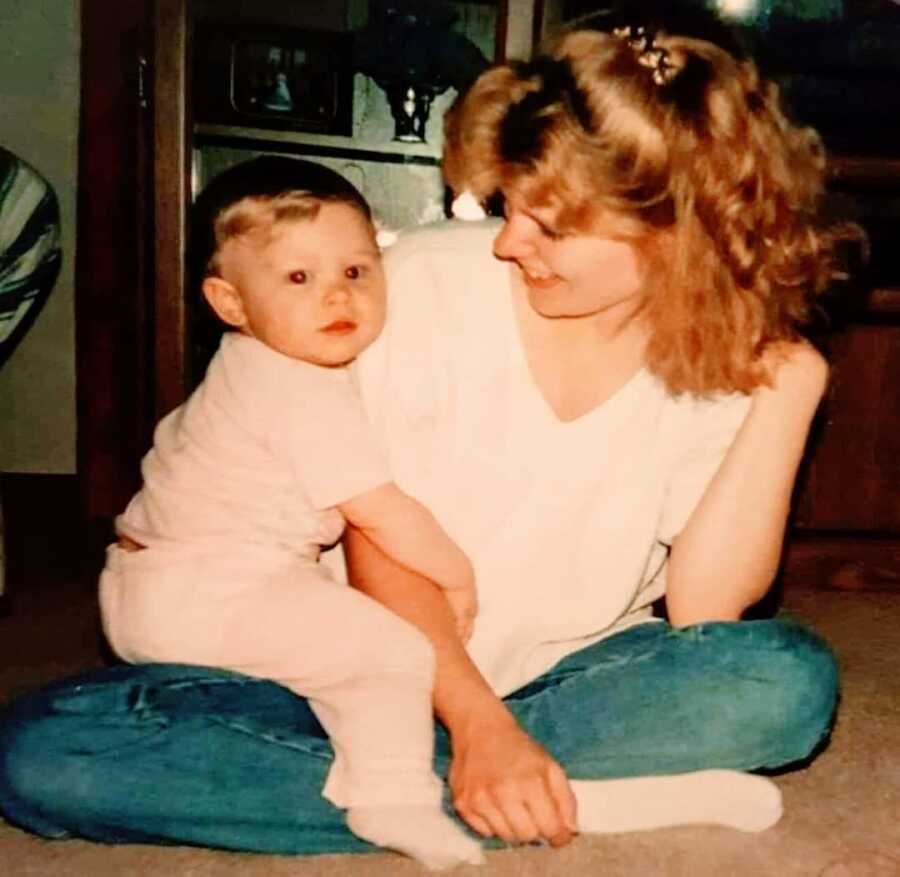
(707, 797)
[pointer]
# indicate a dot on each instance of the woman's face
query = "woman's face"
(568, 275)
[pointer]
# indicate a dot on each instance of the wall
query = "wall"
(39, 90)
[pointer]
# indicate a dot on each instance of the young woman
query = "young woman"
(603, 398)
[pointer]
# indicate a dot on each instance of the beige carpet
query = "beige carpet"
(842, 813)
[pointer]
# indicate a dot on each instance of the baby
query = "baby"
(218, 555)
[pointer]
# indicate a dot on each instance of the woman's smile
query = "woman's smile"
(540, 281)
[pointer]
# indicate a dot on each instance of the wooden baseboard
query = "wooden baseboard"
(843, 562)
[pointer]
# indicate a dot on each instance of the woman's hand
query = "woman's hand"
(505, 784)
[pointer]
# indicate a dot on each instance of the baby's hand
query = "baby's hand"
(464, 606)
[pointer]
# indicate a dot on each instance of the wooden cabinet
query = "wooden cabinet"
(846, 523)
(853, 480)
(840, 75)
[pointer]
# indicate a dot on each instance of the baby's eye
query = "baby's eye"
(354, 272)
(298, 277)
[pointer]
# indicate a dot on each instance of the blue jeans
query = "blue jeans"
(191, 755)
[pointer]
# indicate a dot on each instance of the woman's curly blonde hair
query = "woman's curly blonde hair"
(707, 157)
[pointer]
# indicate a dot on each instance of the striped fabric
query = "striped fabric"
(30, 254)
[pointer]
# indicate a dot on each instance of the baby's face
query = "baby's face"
(311, 289)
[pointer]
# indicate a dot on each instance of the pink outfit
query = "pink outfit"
(238, 498)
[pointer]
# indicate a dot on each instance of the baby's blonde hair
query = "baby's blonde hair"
(259, 214)
(258, 194)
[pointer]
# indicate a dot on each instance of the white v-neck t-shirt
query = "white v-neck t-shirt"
(567, 524)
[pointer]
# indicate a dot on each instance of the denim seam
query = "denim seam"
(274, 739)
(200, 682)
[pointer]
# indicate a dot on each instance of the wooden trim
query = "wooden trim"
(884, 303)
(500, 33)
(537, 25)
(112, 275)
(864, 169)
(172, 197)
(842, 562)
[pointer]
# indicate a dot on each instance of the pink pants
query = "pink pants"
(366, 673)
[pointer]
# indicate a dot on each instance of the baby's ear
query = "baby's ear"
(225, 300)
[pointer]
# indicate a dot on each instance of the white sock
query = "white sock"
(425, 833)
(707, 797)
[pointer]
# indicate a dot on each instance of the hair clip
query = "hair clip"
(648, 53)
(636, 37)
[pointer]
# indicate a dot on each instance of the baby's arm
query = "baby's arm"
(406, 531)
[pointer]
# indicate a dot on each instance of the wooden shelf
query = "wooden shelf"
(279, 139)
(315, 144)
(864, 169)
(884, 302)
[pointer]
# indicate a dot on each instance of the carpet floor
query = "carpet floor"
(842, 812)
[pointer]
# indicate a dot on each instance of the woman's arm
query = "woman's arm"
(503, 783)
(725, 558)
(405, 530)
